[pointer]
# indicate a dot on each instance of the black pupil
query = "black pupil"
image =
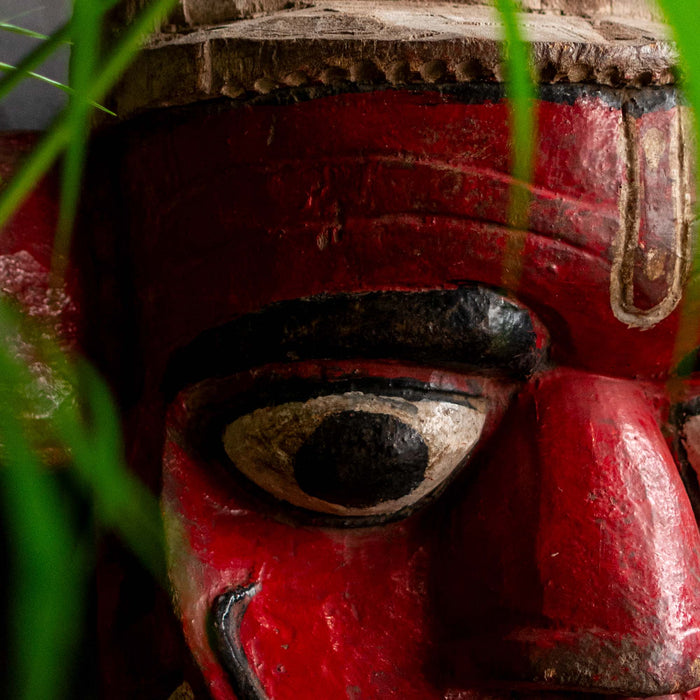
(359, 459)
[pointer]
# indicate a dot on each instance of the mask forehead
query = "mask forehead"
(400, 190)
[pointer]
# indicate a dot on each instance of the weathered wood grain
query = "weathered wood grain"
(389, 42)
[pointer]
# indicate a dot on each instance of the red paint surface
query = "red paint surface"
(388, 191)
(578, 468)
(228, 212)
(398, 191)
(587, 548)
(33, 226)
(26, 244)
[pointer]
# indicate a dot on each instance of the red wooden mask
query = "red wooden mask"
(411, 450)
(409, 447)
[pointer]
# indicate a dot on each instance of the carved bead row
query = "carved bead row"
(182, 69)
(437, 71)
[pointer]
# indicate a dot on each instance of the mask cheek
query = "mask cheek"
(351, 606)
(322, 594)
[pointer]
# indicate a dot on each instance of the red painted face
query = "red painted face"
(456, 474)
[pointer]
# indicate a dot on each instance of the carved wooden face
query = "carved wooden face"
(412, 451)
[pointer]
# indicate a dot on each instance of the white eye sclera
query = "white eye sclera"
(354, 454)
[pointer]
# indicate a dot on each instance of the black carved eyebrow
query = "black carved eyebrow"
(472, 328)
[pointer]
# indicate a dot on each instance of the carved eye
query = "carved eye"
(355, 453)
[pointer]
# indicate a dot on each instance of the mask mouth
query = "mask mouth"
(225, 617)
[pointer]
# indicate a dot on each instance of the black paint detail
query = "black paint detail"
(359, 459)
(212, 405)
(652, 99)
(639, 100)
(215, 403)
(225, 619)
(473, 328)
(644, 99)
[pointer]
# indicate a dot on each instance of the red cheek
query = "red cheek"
(570, 561)
(347, 608)
(587, 548)
(574, 550)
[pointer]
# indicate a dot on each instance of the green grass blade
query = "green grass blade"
(86, 426)
(50, 565)
(14, 29)
(87, 24)
(61, 86)
(521, 94)
(49, 568)
(34, 58)
(123, 504)
(118, 61)
(19, 15)
(520, 91)
(46, 152)
(33, 169)
(682, 18)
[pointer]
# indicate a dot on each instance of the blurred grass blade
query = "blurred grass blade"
(682, 18)
(681, 15)
(30, 74)
(86, 426)
(19, 15)
(33, 169)
(14, 29)
(46, 152)
(520, 90)
(87, 24)
(521, 94)
(49, 568)
(122, 503)
(128, 46)
(50, 565)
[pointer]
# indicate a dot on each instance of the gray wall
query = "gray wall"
(32, 104)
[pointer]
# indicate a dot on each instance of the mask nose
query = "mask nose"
(573, 561)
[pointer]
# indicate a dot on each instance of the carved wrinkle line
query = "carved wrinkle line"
(225, 624)
(625, 245)
(404, 161)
